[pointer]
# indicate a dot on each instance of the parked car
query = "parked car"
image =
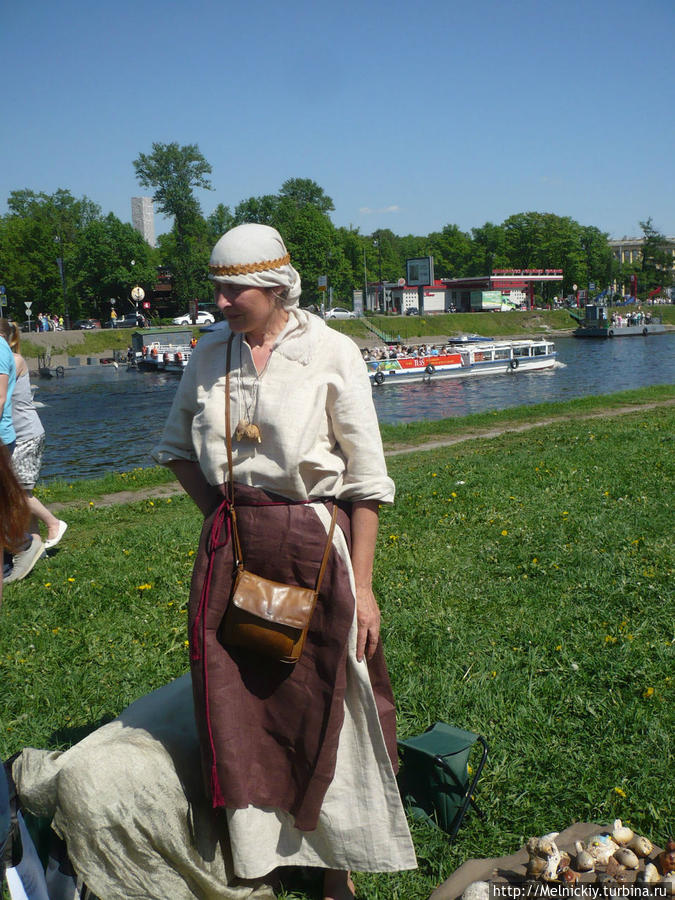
(86, 324)
(203, 318)
(339, 312)
(130, 320)
(412, 311)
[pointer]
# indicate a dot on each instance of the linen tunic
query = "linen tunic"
(313, 405)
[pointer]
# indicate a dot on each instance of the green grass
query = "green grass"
(60, 491)
(420, 432)
(514, 324)
(526, 591)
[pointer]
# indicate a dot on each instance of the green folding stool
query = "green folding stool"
(434, 779)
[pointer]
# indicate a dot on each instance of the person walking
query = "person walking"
(30, 440)
(17, 566)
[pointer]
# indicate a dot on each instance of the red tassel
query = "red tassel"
(217, 798)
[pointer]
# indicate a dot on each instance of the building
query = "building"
(629, 250)
(143, 218)
(516, 286)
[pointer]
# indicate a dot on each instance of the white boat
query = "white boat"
(494, 358)
(159, 357)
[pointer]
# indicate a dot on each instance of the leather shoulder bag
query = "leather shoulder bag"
(264, 616)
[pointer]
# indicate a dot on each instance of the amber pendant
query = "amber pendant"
(247, 431)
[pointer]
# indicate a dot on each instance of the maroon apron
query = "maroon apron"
(268, 731)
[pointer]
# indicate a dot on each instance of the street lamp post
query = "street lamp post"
(380, 293)
(62, 272)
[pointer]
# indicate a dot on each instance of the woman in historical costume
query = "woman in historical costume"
(298, 761)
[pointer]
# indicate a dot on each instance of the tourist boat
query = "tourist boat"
(161, 349)
(596, 323)
(495, 358)
(159, 357)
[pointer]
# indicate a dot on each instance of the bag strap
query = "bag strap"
(329, 544)
(239, 560)
(229, 486)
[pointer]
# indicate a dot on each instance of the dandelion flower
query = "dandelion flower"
(504, 532)
(71, 580)
(648, 693)
(619, 791)
(48, 584)
(144, 587)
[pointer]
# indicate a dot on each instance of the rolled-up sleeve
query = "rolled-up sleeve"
(357, 431)
(176, 442)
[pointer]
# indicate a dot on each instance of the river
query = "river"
(100, 419)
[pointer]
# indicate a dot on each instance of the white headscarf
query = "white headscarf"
(255, 255)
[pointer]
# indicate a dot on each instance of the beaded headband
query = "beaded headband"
(248, 268)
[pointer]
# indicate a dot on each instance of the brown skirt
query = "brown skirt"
(269, 732)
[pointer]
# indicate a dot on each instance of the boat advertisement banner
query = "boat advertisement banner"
(408, 363)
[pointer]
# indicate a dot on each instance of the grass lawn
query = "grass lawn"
(526, 591)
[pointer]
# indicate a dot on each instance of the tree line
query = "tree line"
(63, 254)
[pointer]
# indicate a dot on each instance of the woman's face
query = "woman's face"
(247, 309)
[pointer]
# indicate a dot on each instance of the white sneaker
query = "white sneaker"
(24, 561)
(52, 542)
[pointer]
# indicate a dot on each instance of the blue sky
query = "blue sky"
(409, 115)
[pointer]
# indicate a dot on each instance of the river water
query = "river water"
(99, 419)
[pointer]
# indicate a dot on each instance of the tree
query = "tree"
(220, 221)
(261, 210)
(451, 250)
(305, 192)
(110, 258)
(39, 229)
(174, 173)
(487, 250)
(657, 260)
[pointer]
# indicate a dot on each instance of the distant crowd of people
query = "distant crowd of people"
(632, 318)
(375, 354)
(49, 323)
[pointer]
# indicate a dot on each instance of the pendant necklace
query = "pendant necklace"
(246, 429)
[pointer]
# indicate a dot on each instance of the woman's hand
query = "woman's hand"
(368, 623)
(365, 519)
